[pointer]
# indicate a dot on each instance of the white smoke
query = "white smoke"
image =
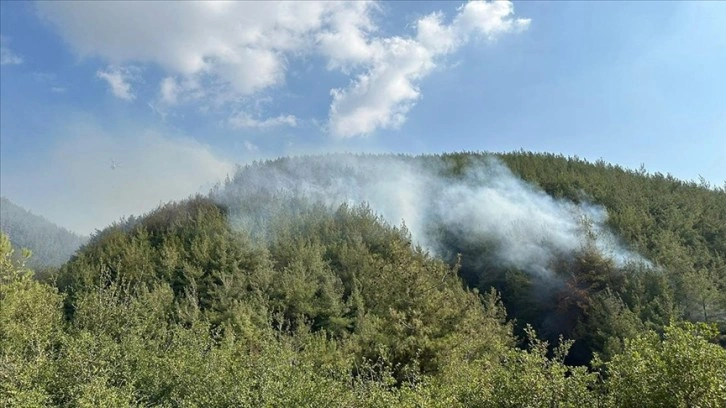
(527, 228)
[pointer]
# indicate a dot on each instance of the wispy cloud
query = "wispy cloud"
(49, 79)
(251, 147)
(8, 56)
(169, 90)
(119, 79)
(244, 120)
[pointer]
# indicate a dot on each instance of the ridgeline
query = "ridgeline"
(294, 284)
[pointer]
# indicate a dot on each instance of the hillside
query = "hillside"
(51, 245)
(457, 280)
(563, 215)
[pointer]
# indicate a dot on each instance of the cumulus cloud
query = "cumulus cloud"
(8, 56)
(382, 95)
(345, 40)
(234, 51)
(118, 79)
(242, 44)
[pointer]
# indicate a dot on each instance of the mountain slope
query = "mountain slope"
(587, 251)
(291, 285)
(50, 244)
(560, 243)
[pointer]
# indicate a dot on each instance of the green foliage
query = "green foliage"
(322, 306)
(187, 246)
(681, 370)
(681, 226)
(30, 328)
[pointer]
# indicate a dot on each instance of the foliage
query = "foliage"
(330, 306)
(681, 370)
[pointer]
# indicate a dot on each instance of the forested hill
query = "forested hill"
(661, 216)
(344, 280)
(651, 249)
(51, 245)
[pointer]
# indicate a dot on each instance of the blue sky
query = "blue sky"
(178, 93)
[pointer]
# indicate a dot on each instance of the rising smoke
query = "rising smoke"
(524, 228)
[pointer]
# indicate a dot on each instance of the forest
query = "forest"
(458, 280)
(52, 245)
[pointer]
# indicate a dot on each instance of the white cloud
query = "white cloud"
(345, 39)
(241, 44)
(244, 120)
(118, 78)
(488, 18)
(432, 34)
(229, 53)
(8, 56)
(382, 95)
(58, 89)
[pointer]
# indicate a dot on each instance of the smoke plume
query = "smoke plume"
(523, 227)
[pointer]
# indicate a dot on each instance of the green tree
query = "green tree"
(31, 326)
(683, 369)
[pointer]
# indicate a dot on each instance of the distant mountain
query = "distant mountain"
(51, 245)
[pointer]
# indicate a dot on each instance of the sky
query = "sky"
(109, 109)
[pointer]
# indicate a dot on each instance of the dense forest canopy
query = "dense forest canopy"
(465, 279)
